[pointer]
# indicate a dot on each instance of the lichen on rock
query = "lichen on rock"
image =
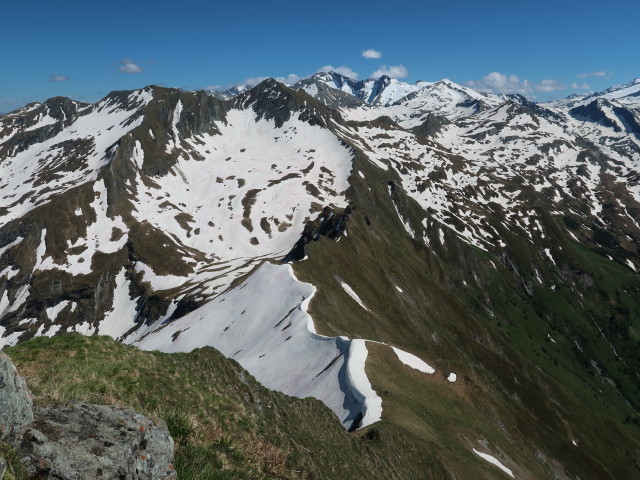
(75, 441)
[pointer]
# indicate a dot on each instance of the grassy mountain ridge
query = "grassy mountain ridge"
(225, 424)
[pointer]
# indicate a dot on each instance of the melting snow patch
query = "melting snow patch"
(52, 312)
(84, 328)
(4, 303)
(119, 319)
(413, 361)
(52, 331)
(9, 272)
(9, 340)
(398, 288)
(548, 253)
(159, 282)
(7, 247)
(353, 295)
(495, 461)
(452, 377)
(633, 267)
(21, 297)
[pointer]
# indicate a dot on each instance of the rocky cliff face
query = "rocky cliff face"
(78, 441)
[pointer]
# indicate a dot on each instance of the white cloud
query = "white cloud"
(253, 81)
(497, 82)
(371, 53)
(58, 78)
(343, 70)
(548, 86)
(129, 67)
(393, 71)
(584, 86)
(289, 79)
(599, 73)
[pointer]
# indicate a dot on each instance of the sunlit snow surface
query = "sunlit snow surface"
(243, 194)
(263, 324)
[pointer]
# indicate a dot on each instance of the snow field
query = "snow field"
(263, 324)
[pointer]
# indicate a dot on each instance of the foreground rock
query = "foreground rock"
(76, 441)
(16, 407)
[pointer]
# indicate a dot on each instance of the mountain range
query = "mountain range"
(455, 268)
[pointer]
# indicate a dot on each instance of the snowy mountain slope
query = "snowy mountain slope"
(627, 94)
(263, 324)
(481, 229)
(443, 98)
(231, 195)
(71, 156)
(380, 91)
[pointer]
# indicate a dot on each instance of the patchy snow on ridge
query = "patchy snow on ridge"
(245, 191)
(89, 138)
(9, 245)
(52, 312)
(98, 238)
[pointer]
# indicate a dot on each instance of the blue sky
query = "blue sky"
(85, 49)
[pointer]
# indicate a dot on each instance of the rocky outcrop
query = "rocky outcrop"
(327, 224)
(16, 407)
(76, 441)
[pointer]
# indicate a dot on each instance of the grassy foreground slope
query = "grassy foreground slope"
(225, 424)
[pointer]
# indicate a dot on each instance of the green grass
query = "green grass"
(15, 466)
(225, 425)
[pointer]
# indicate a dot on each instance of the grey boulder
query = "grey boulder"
(16, 406)
(77, 441)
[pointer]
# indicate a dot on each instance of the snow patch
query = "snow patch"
(120, 318)
(52, 312)
(353, 295)
(413, 361)
(8, 246)
(494, 461)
